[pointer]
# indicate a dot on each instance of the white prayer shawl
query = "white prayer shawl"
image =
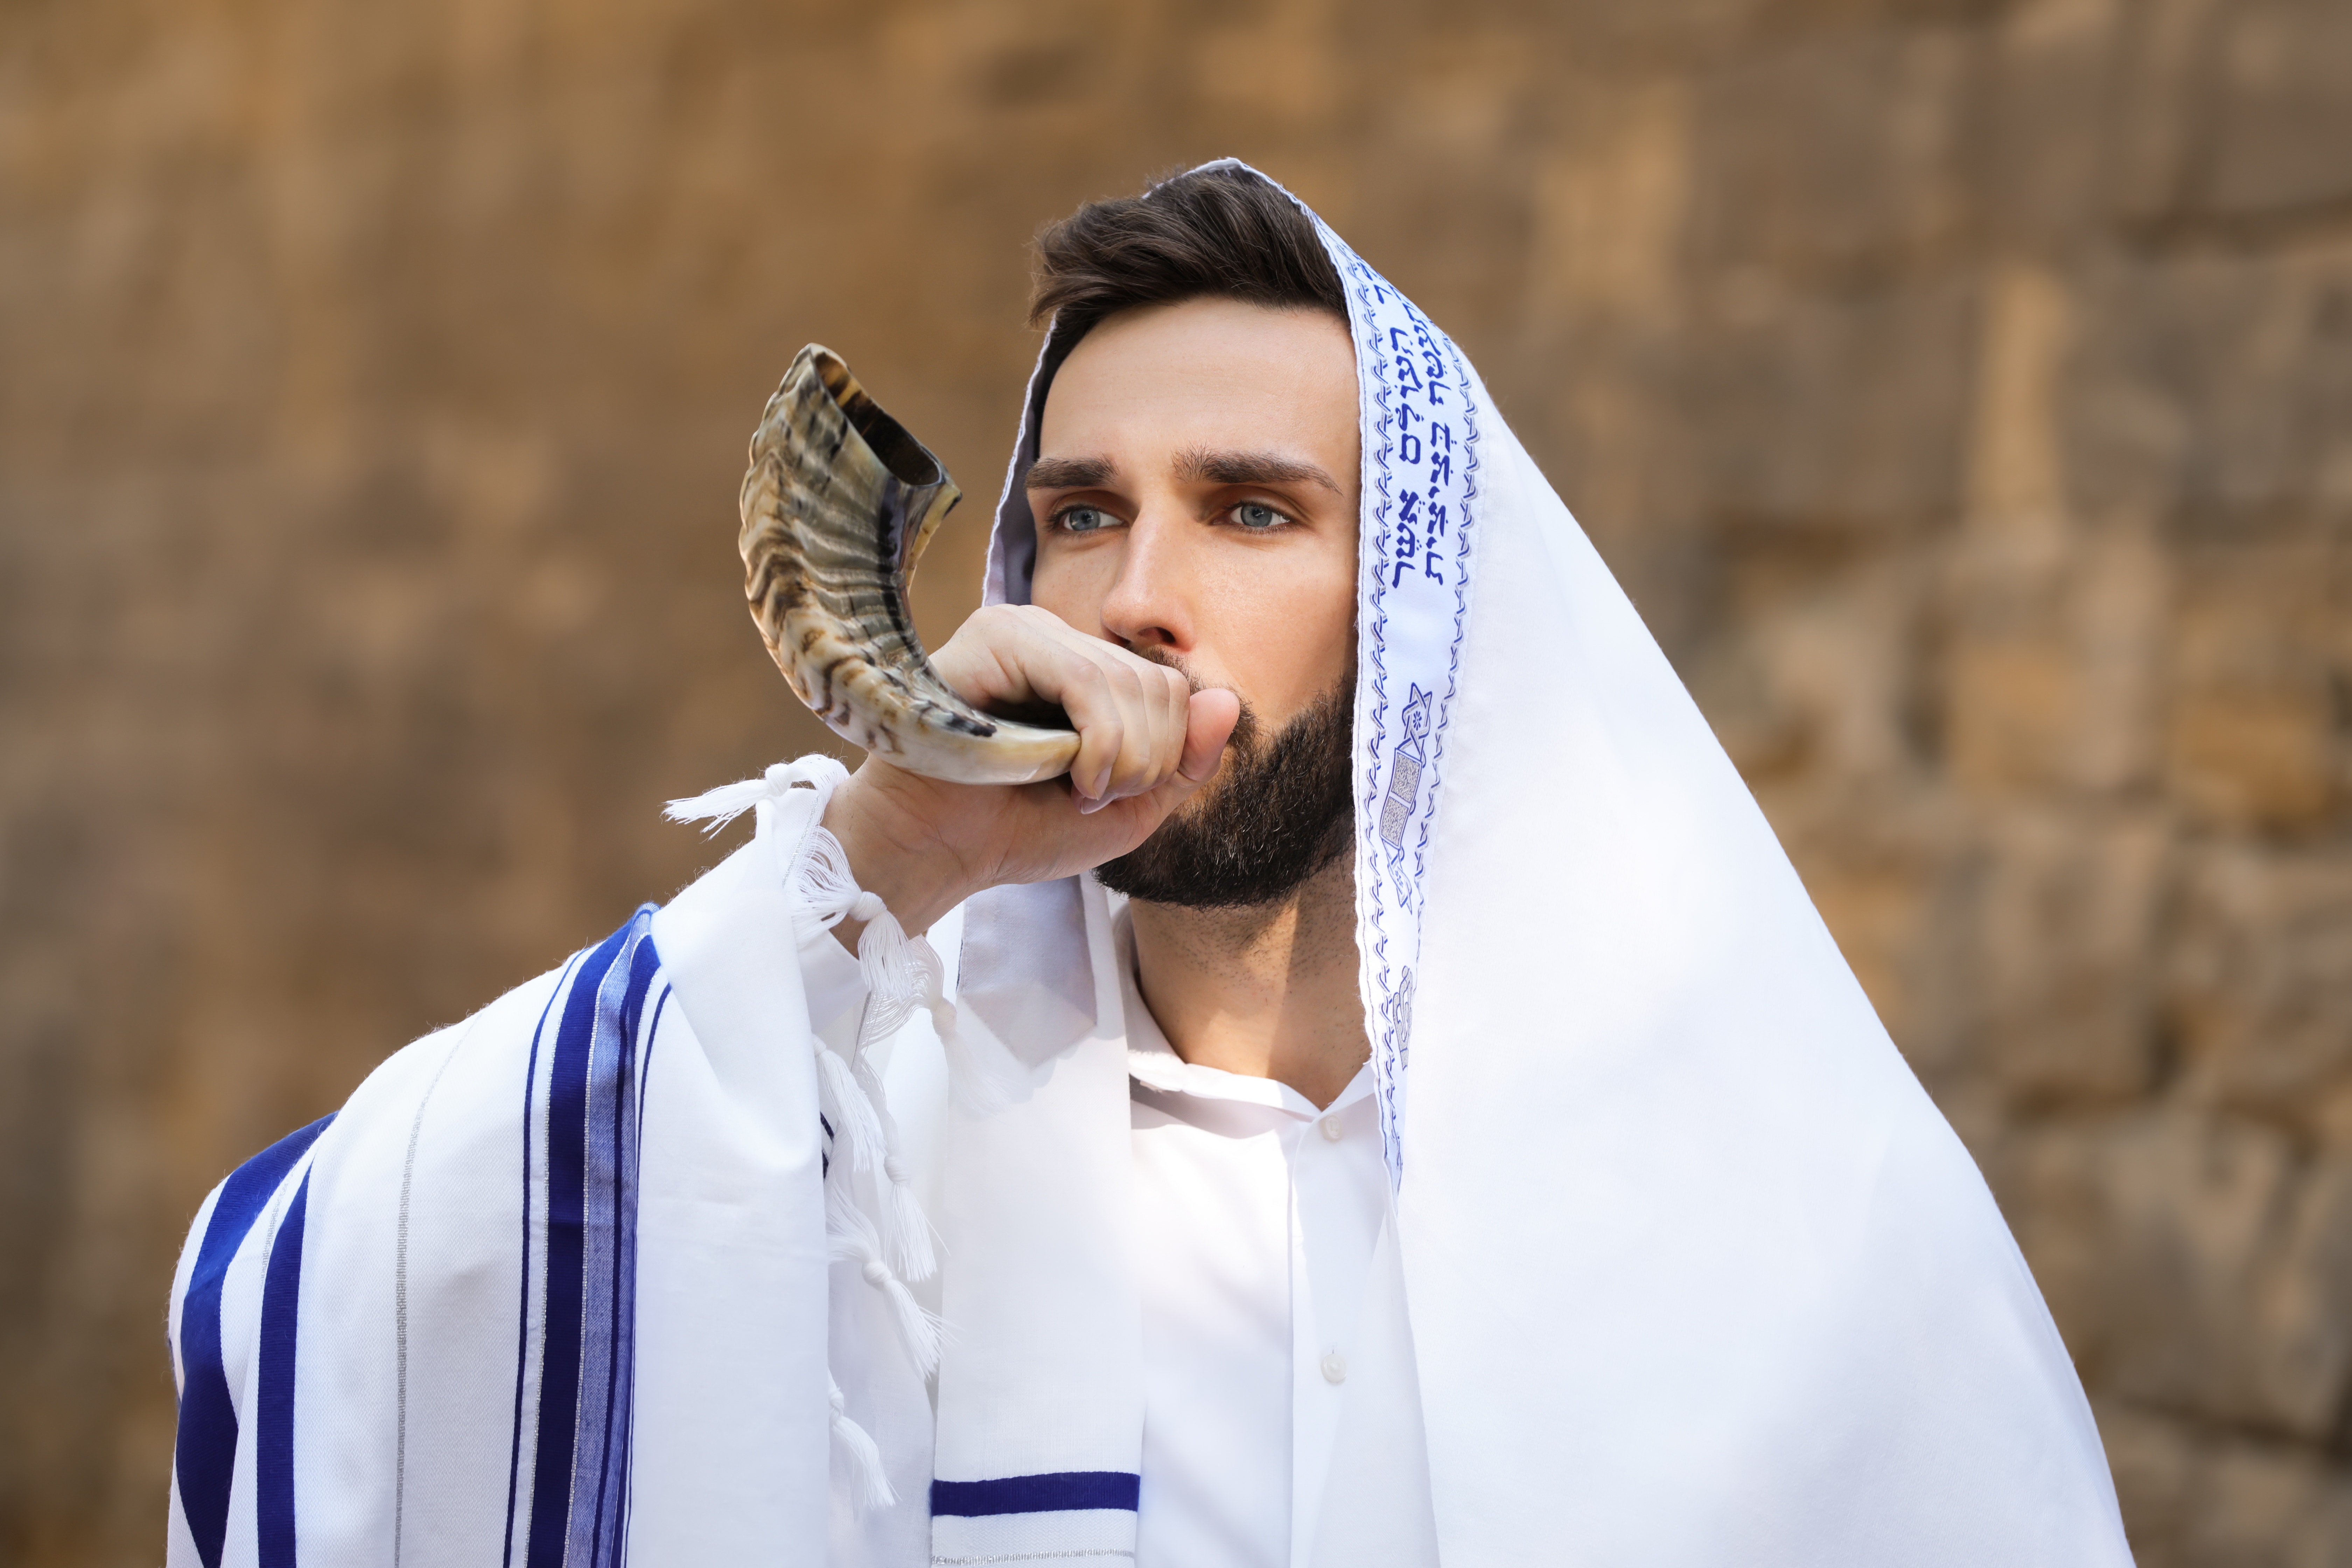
(1683, 1267)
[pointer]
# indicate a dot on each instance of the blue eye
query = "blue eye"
(1079, 520)
(1253, 514)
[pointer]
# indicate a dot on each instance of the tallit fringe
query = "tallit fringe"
(856, 1129)
(860, 1454)
(850, 1238)
(722, 805)
(906, 1229)
(901, 973)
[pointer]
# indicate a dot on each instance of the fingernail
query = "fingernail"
(1089, 805)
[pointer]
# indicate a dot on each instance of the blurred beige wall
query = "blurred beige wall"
(1963, 389)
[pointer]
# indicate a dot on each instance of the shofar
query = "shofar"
(838, 503)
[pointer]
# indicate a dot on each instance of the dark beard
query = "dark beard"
(1278, 813)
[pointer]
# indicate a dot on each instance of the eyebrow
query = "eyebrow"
(1197, 466)
(1070, 474)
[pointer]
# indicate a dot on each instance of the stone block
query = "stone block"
(1811, 670)
(2268, 109)
(2214, 388)
(2063, 925)
(2195, 1264)
(1842, 410)
(1835, 149)
(2161, 76)
(2052, 662)
(2193, 1499)
(2258, 981)
(2234, 117)
(2036, 158)
(2259, 642)
(1612, 199)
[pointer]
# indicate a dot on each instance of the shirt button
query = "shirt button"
(1335, 1368)
(1332, 1131)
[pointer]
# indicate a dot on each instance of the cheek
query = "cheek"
(1065, 586)
(1289, 629)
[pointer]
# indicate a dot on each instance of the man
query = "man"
(1397, 1104)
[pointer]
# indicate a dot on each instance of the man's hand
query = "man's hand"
(1146, 742)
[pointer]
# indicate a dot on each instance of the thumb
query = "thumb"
(1208, 725)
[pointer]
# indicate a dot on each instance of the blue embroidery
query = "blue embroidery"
(1404, 786)
(1420, 474)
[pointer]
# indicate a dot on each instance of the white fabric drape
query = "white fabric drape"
(1692, 1271)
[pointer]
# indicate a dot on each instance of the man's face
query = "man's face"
(1195, 492)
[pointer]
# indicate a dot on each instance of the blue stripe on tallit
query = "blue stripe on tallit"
(522, 1310)
(580, 1463)
(204, 1455)
(612, 1273)
(1061, 1491)
(273, 1471)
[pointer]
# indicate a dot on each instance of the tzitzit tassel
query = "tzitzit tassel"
(861, 1455)
(857, 1128)
(899, 973)
(850, 1238)
(722, 805)
(905, 1230)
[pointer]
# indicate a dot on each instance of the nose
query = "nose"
(1151, 601)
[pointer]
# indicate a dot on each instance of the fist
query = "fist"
(1147, 741)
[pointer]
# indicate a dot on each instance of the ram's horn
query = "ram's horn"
(838, 502)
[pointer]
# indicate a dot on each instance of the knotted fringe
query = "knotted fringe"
(850, 1238)
(722, 805)
(901, 972)
(849, 1110)
(859, 1455)
(906, 1228)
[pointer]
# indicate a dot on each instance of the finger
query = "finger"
(1100, 736)
(1100, 699)
(1209, 718)
(1161, 725)
(1175, 721)
(1148, 699)
(1132, 687)
(1211, 715)
(1126, 710)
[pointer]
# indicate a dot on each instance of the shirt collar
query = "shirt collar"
(1152, 1062)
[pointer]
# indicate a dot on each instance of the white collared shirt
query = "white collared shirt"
(1258, 1215)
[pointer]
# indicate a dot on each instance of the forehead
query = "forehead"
(1204, 372)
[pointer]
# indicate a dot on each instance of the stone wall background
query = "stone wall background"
(1964, 389)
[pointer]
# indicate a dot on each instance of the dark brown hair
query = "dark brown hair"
(1221, 233)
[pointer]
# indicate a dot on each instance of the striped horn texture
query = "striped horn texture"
(838, 503)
